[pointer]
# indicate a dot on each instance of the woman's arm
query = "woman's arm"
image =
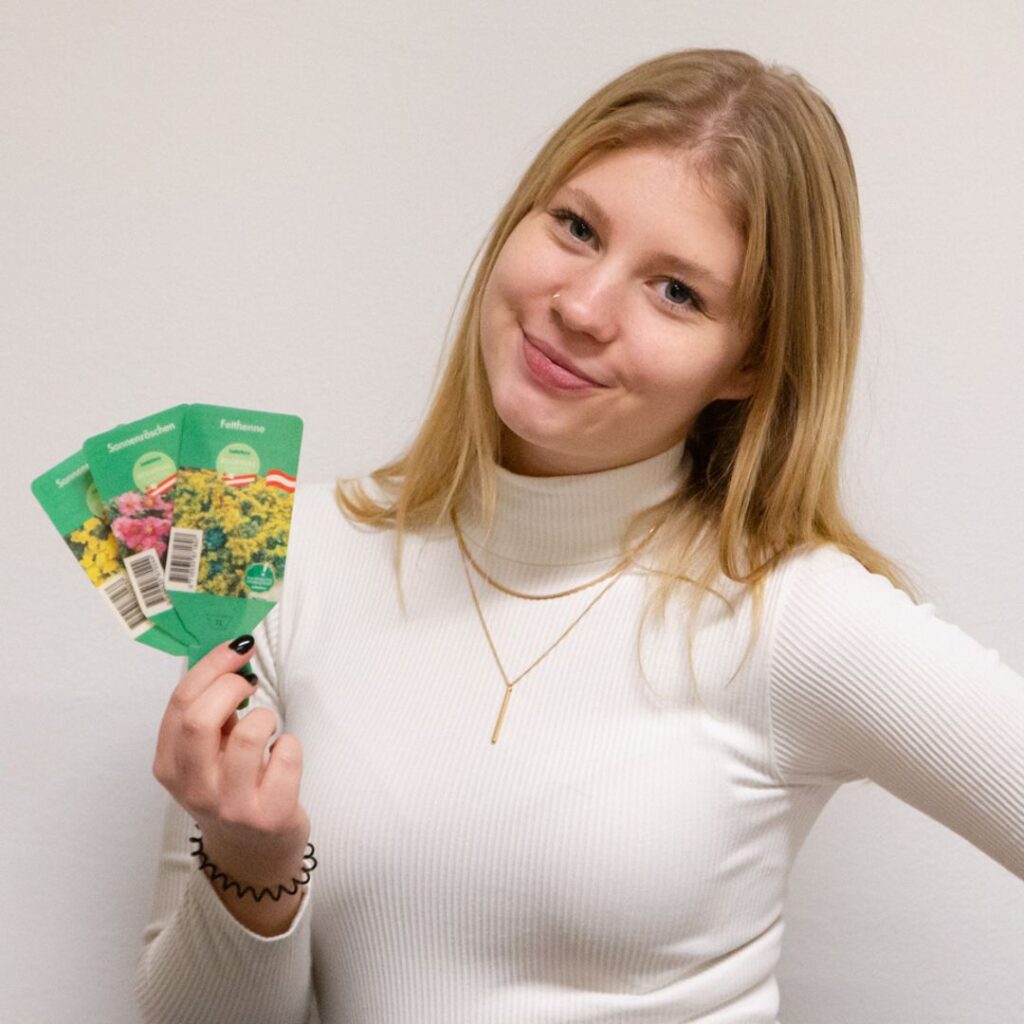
(866, 684)
(204, 957)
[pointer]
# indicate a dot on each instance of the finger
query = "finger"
(216, 662)
(226, 729)
(232, 720)
(242, 760)
(195, 736)
(279, 786)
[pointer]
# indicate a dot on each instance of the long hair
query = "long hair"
(764, 479)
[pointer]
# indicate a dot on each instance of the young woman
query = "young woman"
(532, 800)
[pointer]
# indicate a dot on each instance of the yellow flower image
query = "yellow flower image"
(242, 527)
(95, 547)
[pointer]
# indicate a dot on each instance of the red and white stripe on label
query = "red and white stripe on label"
(278, 478)
(274, 478)
(164, 486)
(238, 480)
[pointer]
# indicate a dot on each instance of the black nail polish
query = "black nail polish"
(250, 677)
(242, 644)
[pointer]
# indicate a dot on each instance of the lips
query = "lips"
(556, 357)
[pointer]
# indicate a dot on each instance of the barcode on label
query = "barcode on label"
(119, 595)
(147, 578)
(182, 570)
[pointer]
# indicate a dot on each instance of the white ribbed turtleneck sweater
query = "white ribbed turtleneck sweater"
(615, 857)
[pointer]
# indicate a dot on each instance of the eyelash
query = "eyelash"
(563, 214)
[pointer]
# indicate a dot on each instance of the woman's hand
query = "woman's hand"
(211, 761)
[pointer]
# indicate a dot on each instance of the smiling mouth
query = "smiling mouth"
(555, 363)
(550, 374)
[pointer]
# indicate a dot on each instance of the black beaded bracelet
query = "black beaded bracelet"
(208, 867)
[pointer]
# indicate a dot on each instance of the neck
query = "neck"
(570, 519)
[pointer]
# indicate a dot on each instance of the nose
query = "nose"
(586, 305)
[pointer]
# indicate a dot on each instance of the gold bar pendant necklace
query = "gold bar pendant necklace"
(615, 573)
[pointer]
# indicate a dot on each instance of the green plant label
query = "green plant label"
(233, 498)
(135, 467)
(69, 496)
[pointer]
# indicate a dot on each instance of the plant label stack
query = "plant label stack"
(181, 520)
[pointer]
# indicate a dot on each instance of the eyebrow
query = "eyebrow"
(687, 269)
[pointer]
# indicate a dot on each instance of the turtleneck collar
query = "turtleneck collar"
(575, 519)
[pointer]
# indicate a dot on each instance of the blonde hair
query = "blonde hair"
(764, 478)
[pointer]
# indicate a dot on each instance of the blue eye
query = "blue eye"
(690, 300)
(688, 296)
(574, 219)
(564, 215)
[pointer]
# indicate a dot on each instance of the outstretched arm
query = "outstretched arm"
(866, 684)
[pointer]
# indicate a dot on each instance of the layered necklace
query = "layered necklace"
(612, 575)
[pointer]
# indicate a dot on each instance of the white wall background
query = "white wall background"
(273, 204)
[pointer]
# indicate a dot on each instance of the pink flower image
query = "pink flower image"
(129, 503)
(152, 540)
(153, 527)
(122, 529)
(148, 528)
(157, 503)
(127, 532)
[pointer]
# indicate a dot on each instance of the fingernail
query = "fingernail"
(250, 678)
(242, 644)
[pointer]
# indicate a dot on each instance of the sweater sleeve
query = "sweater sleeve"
(866, 684)
(198, 963)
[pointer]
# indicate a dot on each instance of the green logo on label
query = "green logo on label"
(238, 459)
(151, 469)
(259, 578)
(94, 501)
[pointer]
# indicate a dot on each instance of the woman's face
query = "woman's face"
(660, 341)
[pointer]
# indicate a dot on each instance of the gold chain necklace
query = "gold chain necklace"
(615, 572)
